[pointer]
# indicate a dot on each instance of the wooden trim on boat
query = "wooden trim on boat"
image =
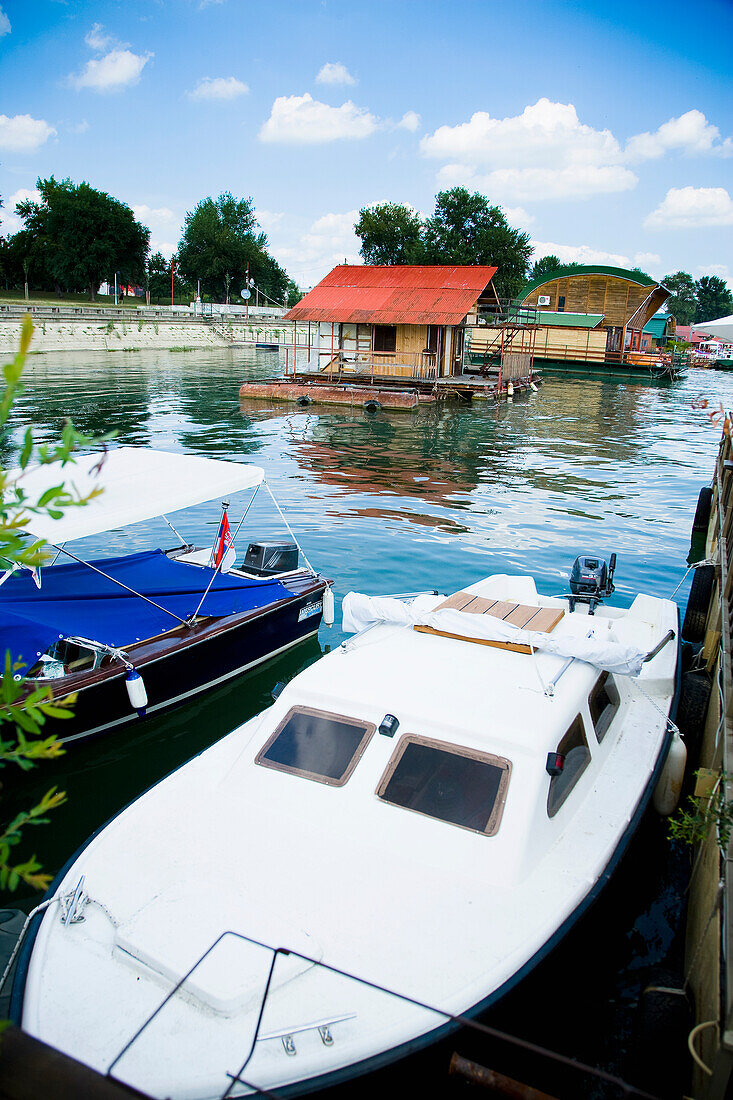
(523, 616)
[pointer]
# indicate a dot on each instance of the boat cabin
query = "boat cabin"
(394, 321)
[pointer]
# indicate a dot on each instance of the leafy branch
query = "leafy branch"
(705, 811)
(25, 705)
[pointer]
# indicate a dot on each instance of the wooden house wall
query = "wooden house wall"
(551, 342)
(617, 299)
(412, 338)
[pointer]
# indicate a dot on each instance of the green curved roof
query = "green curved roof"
(585, 269)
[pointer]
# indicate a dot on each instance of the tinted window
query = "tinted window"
(456, 785)
(574, 747)
(603, 702)
(385, 337)
(316, 745)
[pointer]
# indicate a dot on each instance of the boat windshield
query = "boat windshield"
(316, 745)
(460, 786)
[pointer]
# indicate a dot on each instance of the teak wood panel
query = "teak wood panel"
(523, 616)
(618, 299)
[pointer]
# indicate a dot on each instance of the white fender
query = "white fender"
(510, 389)
(328, 606)
(136, 691)
(669, 785)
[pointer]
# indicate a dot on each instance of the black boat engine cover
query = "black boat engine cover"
(589, 576)
(267, 557)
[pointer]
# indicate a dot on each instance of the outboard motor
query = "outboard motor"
(591, 580)
(268, 557)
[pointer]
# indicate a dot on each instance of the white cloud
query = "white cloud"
(163, 224)
(22, 133)
(537, 184)
(329, 241)
(302, 120)
(546, 152)
(269, 219)
(117, 69)
(334, 72)
(96, 39)
(544, 135)
(518, 217)
(647, 259)
(721, 270)
(78, 127)
(409, 121)
(9, 220)
(579, 254)
(692, 208)
(690, 133)
(219, 87)
(5, 27)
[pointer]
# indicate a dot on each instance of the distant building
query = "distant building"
(658, 331)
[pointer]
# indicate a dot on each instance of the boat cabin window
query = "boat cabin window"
(317, 745)
(603, 702)
(574, 747)
(460, 786)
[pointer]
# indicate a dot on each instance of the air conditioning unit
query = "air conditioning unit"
(543, 300)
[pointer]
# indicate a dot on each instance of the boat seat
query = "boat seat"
(524, 616)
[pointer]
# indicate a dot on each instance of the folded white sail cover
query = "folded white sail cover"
(136, 483)
(361, 611)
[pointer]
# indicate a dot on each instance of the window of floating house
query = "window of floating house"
(432, 341)
(561, 303)
(316, 744)
(385, 337)
(457, 785)
(574, 748)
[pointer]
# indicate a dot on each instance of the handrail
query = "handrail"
(449, 1017)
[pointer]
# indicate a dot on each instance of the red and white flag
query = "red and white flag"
(223, 540)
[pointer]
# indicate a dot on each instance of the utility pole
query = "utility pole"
(115, 288)
(246, 301)
(172, 266)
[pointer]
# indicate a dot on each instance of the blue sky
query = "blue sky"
(604, 130)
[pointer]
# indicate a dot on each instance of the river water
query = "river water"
(394, 502)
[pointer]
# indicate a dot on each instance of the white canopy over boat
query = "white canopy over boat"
(137, 483)
(721, 327)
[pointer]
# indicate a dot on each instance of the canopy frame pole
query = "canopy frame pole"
(120, 583)
(218, 568)
(290, 530)
(176, 533)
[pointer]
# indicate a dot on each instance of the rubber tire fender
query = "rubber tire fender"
(692, 709)
(704, 507)
(693, 627)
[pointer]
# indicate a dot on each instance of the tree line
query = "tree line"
(463, 229)
(74, 238)
(694, 301)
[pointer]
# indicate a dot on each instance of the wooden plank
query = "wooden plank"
(520, 616)
(516, 648)
(456, 602)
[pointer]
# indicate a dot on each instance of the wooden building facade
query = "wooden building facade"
(394, 322)
(626, 300)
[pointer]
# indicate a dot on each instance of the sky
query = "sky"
(605, 130)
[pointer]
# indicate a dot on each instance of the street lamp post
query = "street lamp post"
(115, 288)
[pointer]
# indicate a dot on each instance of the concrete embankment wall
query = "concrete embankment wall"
(126, 330)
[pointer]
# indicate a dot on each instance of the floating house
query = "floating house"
(658, 331)
(405, 322)
(592, 314)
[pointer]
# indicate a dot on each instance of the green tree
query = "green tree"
(24, 705)
(220, 237)
(86, 235)
(390, 233)
(294, 294)
(713, 299)
(466, 229)
(544, 266)
(682, 303)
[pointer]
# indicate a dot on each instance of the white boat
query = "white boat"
(424, 811)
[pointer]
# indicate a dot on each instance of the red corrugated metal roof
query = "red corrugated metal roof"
(394, 295)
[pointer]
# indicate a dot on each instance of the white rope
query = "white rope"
(16, 949)
(695, 565)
